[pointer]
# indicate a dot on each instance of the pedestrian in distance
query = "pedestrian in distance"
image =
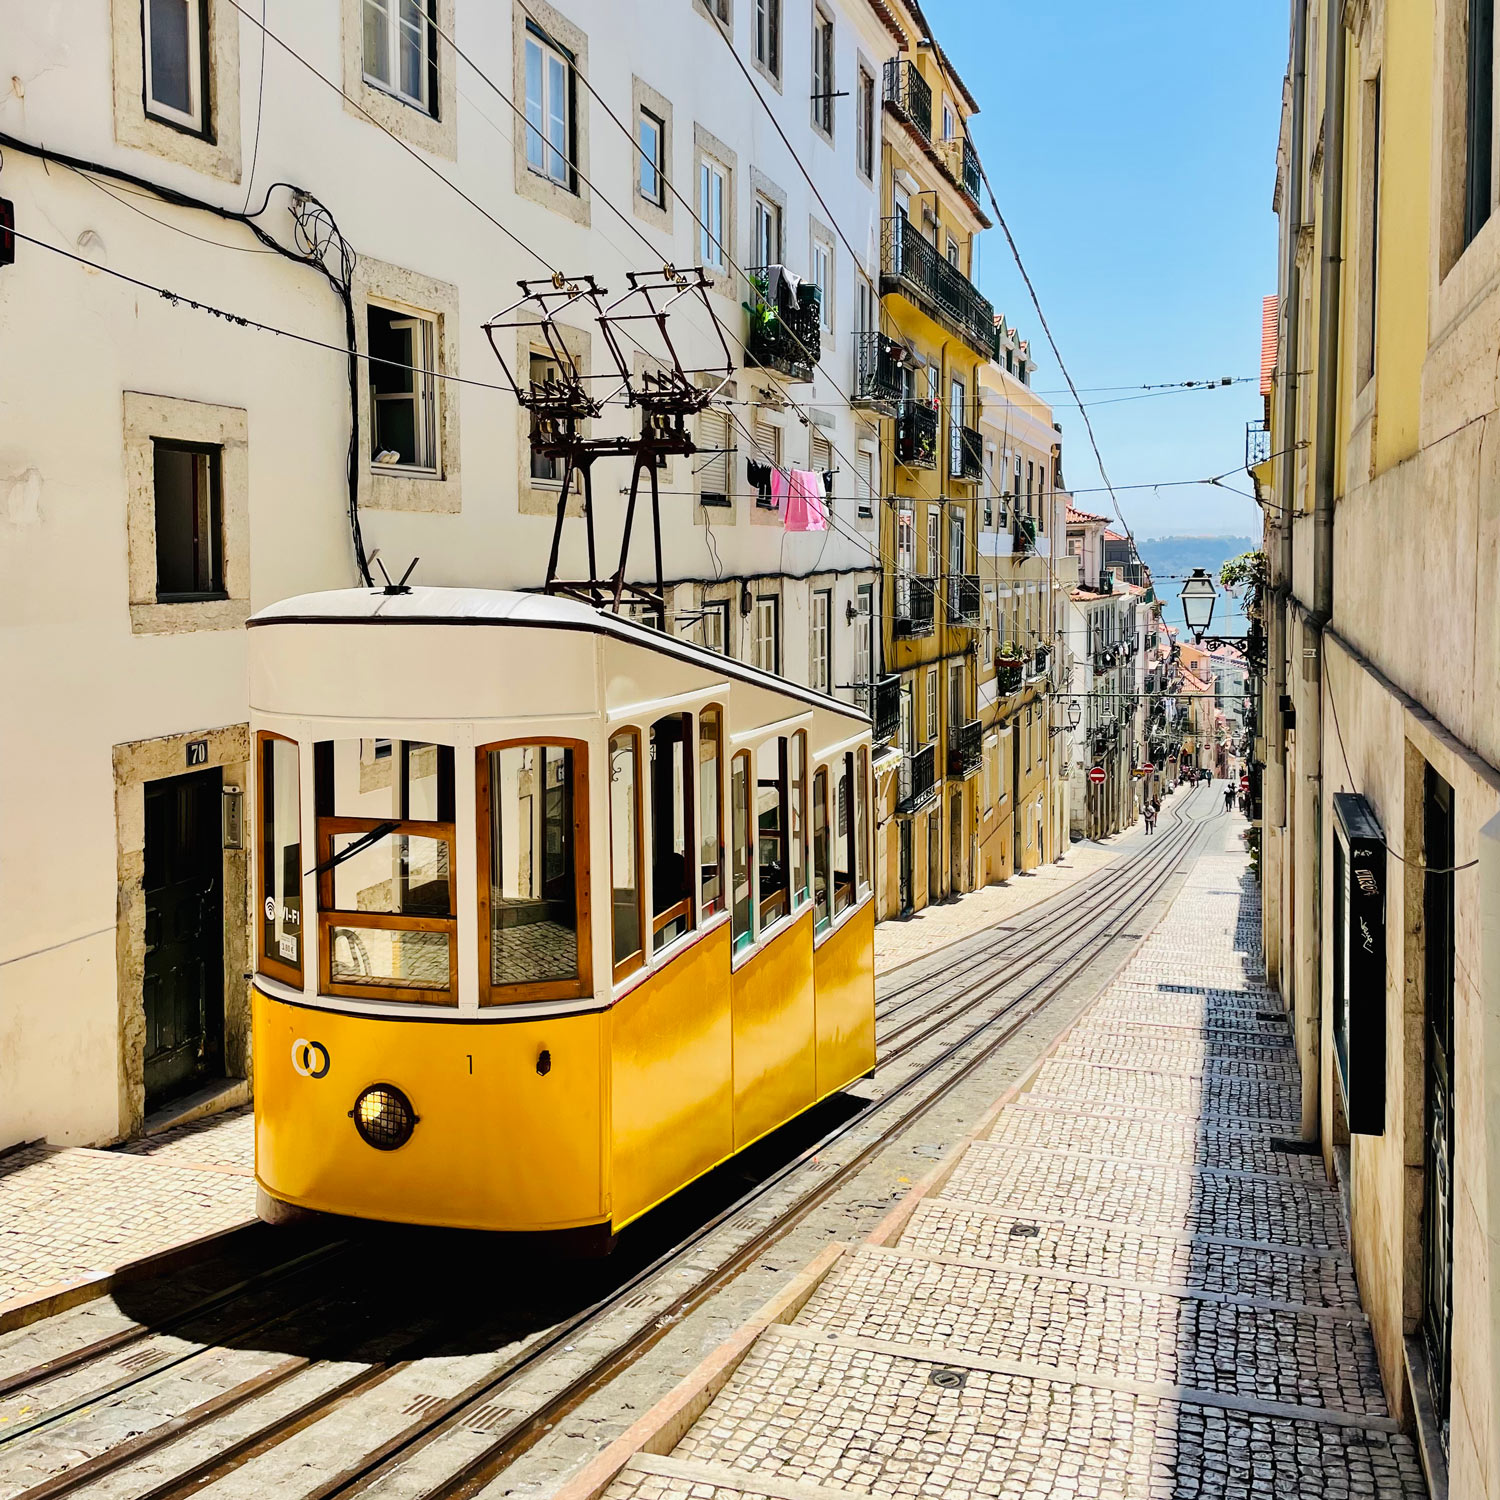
(1150, 818)
(1229, 797)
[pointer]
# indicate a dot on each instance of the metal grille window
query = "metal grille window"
(175, 55)
(400, 50)
(767, 25)
(711, 194)
(549, 110)
(768, 633)
(650, 134)
(822, 71)
(189, 522)
(864, 123)
(822, 615)
(714, 457)
(403, 389)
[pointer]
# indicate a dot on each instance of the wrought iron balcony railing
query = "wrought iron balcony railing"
(877, 373)
(913, 613)
(966, 749)
(917, 784)
(1040, 659)
(911, 264)
(909, 94)
(786, 332)
(1025, 533)
(965, 453)
(916, 435)
(963, 599)
(1010, 674)
(962, 161)
(1257, 443)
(883, 704)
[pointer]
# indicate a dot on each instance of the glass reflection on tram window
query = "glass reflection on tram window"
(671, 830)
(387, 958)
(280, 856)
(797, 800)
(710, 816)
(532, 874)
(739, 802)
(771, 830)
(843, 841)
(822, 913)
(397, 874)
(409, 780)
(624, 843)
(862, 822)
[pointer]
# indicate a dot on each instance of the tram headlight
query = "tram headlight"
(383, 1116)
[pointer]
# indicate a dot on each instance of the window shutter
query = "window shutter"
(820, 451)
(767, 441)
(714, 458)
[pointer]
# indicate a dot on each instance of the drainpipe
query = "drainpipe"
(1325, 436)
(1274, 725)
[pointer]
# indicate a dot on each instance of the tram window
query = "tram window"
(386, 876)
(280, 858)
(843, 839)
(710, 819)
(625, 851)
(797, 787)
(822, 913)
(671, 830)
(533, 812)
(772, 831)
(862, 822)
(739, 801)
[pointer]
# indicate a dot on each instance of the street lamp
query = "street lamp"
(1198, 597)
(1075, 713)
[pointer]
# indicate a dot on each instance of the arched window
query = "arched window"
(671, 830)
(710, 813)
(797, 820)
(739, 843)
(822, 894)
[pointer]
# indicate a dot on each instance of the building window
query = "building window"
(403, 389)
(932, 704)
(864, 640)
(822, 615)
(765, 249)
(549, 111)
(671, 830)
(625, 851)
(822, 72)
(650, 134)
(948, 125)
(400, 50)
(864, 467)
(710, 814)
(934, 556)
(714, 458)
(176, 56)
(952, 251)
(768, 35)
(711, 181)
(822, 276)
(715, 626)
(768, 633)
(189, 521)
(957, 411)
(819, 451)
(864, 123)
(1479, 118)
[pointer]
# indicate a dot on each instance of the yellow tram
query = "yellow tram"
(555, 912)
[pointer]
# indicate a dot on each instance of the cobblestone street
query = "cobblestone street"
(1128, 1287)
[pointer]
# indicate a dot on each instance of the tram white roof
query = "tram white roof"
(429, 606)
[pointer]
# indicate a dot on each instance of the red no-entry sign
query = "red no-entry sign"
(1148, 768)
(1244, 783)
(1096, 775)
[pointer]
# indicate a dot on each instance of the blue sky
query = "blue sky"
(1132, 149)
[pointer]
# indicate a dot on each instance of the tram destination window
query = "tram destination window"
(710, 814)
(822, 909)
(773, 842)
(533, 801)
(625, 851)
(386, 876)
(189, 522)
(739, 842)
(280, 860)
(671, 830)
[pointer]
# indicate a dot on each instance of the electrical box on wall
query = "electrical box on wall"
(1359, 999)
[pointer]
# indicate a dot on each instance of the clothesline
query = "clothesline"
(799, 494)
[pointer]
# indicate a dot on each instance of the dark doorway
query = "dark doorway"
(183, 989)
(1437, 1134)
(935, 855)
(906, 866)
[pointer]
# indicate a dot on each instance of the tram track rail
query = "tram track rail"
(1149, 871)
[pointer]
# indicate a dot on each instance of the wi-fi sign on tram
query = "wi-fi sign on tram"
(1096, 775)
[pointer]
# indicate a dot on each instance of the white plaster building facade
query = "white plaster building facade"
(165, 471)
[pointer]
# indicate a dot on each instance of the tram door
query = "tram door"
(183, 990)
(1437, 1194)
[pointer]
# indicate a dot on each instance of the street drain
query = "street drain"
(1290, 1147)
(1269, 1015)
(419, 1406)
(947, 1380)
(1021, 1230)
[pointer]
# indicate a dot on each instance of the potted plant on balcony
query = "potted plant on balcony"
(1010, 663)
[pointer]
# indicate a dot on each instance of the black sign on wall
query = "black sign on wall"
(1359, 1001)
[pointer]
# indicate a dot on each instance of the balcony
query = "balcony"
(877, 373)
(882, 700)
(916, 436)
(1025, 533)
(913, 614)
(786, 331)
(1010, 674)
(1040, 659)
(962, 162)
(965, 454)
(917, 780)
(910, 264)
(966, 749)
(963, 599)
(910, 95)
(1257, 443)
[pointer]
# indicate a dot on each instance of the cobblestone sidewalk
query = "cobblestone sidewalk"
(71, 1216)
(1128, 1289)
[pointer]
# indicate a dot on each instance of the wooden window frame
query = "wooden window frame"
(688, 906)
(821, 922)
(740, 941)
(862, 800)
(725, 901)
(582, 987)
(274, 968)
(329, 916)
(623, 968)
(846, 765)
(783, 782)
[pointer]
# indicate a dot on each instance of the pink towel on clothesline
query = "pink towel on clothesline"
(779, 488)
(804, 502)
